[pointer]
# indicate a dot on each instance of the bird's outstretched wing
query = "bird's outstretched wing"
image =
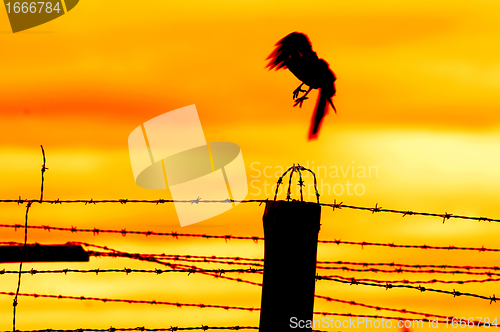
(294, 52)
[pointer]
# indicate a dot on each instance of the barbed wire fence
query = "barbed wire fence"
(253, 266)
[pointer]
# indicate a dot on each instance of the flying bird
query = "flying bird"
(295, 53)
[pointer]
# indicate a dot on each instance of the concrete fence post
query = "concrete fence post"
(291, 230)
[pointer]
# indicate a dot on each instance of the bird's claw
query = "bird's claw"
(296, 92)
(299, 101)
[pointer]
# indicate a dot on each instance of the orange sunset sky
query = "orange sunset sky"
(418, 87)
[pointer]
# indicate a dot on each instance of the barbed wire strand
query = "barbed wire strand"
(455, 293)
(318, 296)
(176, 235)
(251, 309)
(128, 271)
(28, 206)
(15, 303)
(404, 281)
(387, 285)
(43, 172)
(115, 253)
(401, 270)
(408, 246)
(177, 304)
(194, 269)
(445, 216)
(258, 261)
(190, 269)
(249, 270)
(379, 308)
(404, 213)
(418, 266)
(101, 299)
(319, 267)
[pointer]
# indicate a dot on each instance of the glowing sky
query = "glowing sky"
(417, 98)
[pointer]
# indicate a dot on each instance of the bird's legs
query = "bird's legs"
(300, 100)
(297, 91)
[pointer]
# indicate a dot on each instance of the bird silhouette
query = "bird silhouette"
(295, 53)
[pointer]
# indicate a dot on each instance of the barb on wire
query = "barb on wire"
(176, 304)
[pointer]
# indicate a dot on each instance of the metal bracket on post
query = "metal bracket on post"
(291, 230)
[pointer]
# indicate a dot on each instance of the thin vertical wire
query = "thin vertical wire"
(21, 265)
(28, 206)
(43, 171)
(288, 194)
(301, 183)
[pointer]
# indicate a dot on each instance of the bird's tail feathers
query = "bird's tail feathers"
(319, 113)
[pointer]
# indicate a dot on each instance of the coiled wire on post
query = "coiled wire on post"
(297, 169)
